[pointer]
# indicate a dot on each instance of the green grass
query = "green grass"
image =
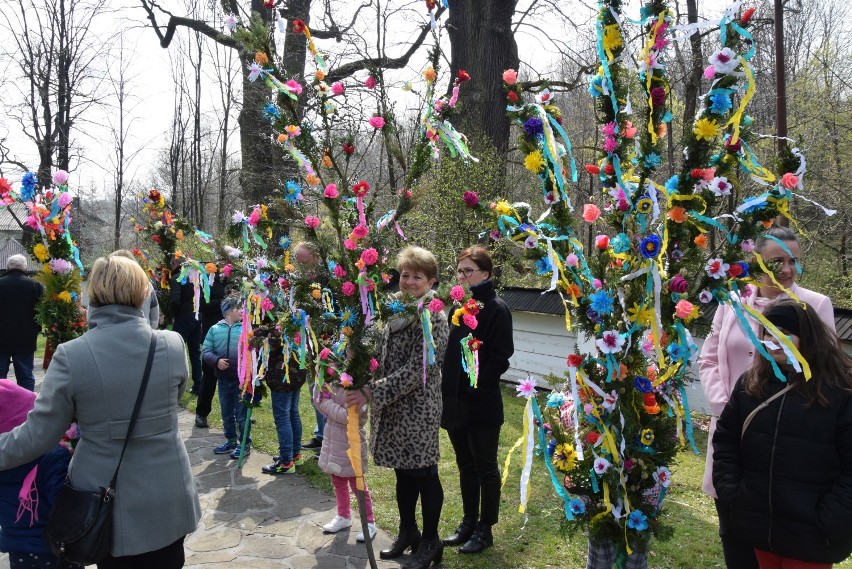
(540, 543)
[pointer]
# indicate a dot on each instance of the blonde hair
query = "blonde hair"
(118, 280)
(418, 259)
(122, 253)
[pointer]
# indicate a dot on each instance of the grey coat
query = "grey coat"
(96, 378)
(405, 413)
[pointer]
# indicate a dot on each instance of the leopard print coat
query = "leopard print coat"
(405, 414)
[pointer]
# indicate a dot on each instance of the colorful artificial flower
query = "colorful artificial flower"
(40, 252)
(370, 256)
(593, 169)
(331, 192)
(663, 476)
(533, 127)
(601, 465)
(294, 86)
(348, 288)
(526, 388)
(724, 61)
(684, 309)
(338, 88)
(720, 103)
(591, 212)
(564, 457)
(720, 186)
(610, 342)
(377, 122)
(510, 77)
(677, 214)
(678, 284)
(706, 129)
(650, 246)
(544, 97)
(647, 437)
(789, 180)
(429, 74)
(346, 380)
(701, 240)
(644, 205)
(231, 22)
(470, 321)
(65, 296)
(577, 506)
(652, 160)
(602, 242)
(705, 296)
(312, 221)
(361, 189)
(360, 231)
(60, 177)
(629, 130)
(637, 520)
(642, 384)
(374, 364)
(471, 199)
(298, 26)
(463, 76)
(716, 268)
(534, 162)
(601, 302)
(746, 17)
(436, 305)
(575, 360)
(457, 293)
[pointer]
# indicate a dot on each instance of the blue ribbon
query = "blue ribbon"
(557, 484)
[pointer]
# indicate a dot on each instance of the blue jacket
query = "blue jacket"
(221, 342)
(19, 536)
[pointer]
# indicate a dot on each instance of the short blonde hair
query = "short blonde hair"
(418, 259)
(118, 280)
(122, 253)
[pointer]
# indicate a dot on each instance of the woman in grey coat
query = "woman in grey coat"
(96, 379)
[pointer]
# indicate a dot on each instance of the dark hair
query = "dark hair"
(831, 368)
(480, 257)
(778, 232)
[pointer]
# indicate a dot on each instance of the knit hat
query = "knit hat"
(228, 303)
(15, 403)
(784, 316)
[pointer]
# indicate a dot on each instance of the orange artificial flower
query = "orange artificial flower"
(677, 214)
(319, 74)
(767, 223)
(312, 179)
(326, 161)
(662, 130)
(261, 58)
(701, 240)
(430, 74)
(211, 268)
(282, 138)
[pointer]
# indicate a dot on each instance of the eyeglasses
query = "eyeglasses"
(466, 272)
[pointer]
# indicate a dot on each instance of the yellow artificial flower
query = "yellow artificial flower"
(40, 252)
(456, 319)
(64, 296)
(642, 315)
(612, 37)
(503, 208)
(46, 268)
(706, 129)
(534, 162)
(647, 437)
(565, 457)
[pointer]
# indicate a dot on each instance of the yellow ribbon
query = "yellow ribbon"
(353, 434)
(737, 116)
(508, 461)
(781, 337)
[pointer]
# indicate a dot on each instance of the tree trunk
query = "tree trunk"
(482, 43)
(696, 70)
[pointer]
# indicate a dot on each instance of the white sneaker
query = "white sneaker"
(337, 524)
(373, 529)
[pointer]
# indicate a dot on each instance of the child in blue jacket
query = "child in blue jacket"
(27, 492)
(220, 350)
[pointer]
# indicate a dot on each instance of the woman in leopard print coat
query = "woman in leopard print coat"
(405, 412)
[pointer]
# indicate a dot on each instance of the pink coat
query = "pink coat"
(727, 354)
(335, 444)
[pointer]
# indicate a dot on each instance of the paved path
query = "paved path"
(253, 520)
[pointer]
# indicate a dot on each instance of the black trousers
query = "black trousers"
(425, 484)
(207, 391)
(738, 555)
(169, 557)
(479, 474)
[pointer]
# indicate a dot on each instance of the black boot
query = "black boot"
(480, 539)
(463, 532)
(430, 551)
(409, 537)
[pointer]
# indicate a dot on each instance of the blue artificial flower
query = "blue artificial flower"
(668, 116)
(533, 127)
(555, 400)
(652, 160)
(292, 191)
(637, 520)
(271, 112)
(542, 266)
(720, 103)
(601, 302)
(643, 384)
(596, 86)
(28, 184)
(744, 266)
(298, 317)
(671, 184)
(348, 318)
(650, 246)
(284, 242)
(620, 243)
(395, 307)
(677, 351)
(747, 120)
(551, 447)
(577, 506)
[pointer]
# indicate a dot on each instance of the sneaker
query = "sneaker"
(225, 447)
(298, 460)
(201, 422)
(337, 524)
(278, 467)
(372, 528)
(313, 444)
(236, 452)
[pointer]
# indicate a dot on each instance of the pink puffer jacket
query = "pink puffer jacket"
(333, 458)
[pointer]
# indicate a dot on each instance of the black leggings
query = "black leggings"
(479, 474)
(738, 554)
(425, 484)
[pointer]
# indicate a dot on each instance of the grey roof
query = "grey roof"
(532, 300)
(843, 323)
(7, 220)
(9, 247)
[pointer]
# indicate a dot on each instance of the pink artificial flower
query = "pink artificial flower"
(339, 271)
(370, 82)
(294, 86)
(350, 244)
(32, 222)
(337, 88)
(254, 218)
(331, 191)
(591, 212)
(267, 304)
(227, 270)
(325, 353)
(572, 260)
(64, 198)
(374, 364)
(470, 321)
(610, 144)
(789, 180)
(360, 231)
(370, 256)
(346, 380)
(597, 284)
(709, 72)
(60, 177)
(457, 293)
(348, 288)
(471, 199)
(436, 305)
(609, 128)
(510, 77)
(629, 130)
(683, 309)
(312, 221)
(60, 266)
(747, 245)
(610, 342)
(679, 284)
(377, 122)
(526, 388)
(601, 465)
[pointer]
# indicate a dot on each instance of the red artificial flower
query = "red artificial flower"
(463, 76)
(5, 186)
(746, 17)
(472, 307)
(298, 26)
(575, 360)
(609, 170)
(592, 169)
(155, 239)
(154, 195)
(269, 3)
(696, 173)
(592, 437)
(430, 4)
(360, 189)
(348, 149)
(474, 344)
(512, 96)
(735, 270)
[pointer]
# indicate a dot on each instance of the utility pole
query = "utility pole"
(780, 79)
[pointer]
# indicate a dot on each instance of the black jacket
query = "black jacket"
(788, 483)
(19, 295)
(276, 378)
(466, 408)
(211, 311)
(183, 304)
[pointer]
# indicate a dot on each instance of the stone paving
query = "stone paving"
(253, 520)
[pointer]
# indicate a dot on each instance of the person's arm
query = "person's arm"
(498, 347)
(333, 411)
(208, 348)
(715, 386)
(727, 459)
(47, 422)
(835, 507)
(154, 311)
(825, 311)
(174, 294)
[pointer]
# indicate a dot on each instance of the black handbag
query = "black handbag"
(79, 527)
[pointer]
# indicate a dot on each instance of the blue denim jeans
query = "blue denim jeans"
(288, 423)
(320, 417)
(23, 362)
(233, 410)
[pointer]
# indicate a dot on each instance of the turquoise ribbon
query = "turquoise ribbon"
(557, 484)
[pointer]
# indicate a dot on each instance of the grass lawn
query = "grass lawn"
(540, 542)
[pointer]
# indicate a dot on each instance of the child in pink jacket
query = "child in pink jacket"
(333, 458)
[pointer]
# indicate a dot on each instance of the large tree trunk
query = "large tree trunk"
(482, 43)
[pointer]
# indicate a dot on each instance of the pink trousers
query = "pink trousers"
(771, 561)
(341, 492)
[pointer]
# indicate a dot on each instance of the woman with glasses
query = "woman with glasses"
(727, 354)
(472, 415)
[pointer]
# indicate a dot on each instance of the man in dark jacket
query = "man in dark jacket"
(19, 330)
(211, 313)
(185, 323)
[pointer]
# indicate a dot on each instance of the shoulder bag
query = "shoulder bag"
(79, 527)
